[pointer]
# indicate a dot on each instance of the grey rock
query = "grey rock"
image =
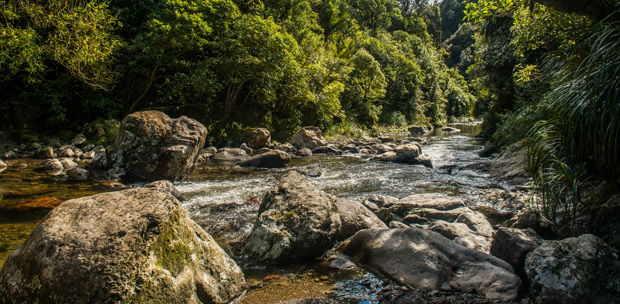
(44, 153)
(9, 155)
(530, 218)
(416, 130)
(152, 146)
(259, 138)
(474, 242)
(295, 222)
(512, 245)
(326, 150)
(78, 174)
(308, 137)
(247, 149)
(286, 147)
(52, 166)
(100, 161)
(68, 163)
(271, 159)
(449, 230)
(406, 154)
(426, 260)
(574, 270)
(427, 215)
(232, 155)
(304, 152)
(477, 222)
(89, 155)
(397, 224)
(354, 217)
(168, 186)
(132, 246)
(436, 201)
(78, 140)
(66, 153)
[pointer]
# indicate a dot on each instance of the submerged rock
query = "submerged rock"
(574, 270)
(295, 222)
(33, 205)
(132, 246)
(271, 159)
(406, 154)
(152, 146)
(427, 260)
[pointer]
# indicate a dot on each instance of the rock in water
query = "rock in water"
(308, 137)
(271, 159)
(132, 246)
(152, 146)
(574, 270)
(295, 222)
(426, 260)
(259, 138)
(406, 154)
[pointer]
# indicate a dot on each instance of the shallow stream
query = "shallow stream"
(224, 200)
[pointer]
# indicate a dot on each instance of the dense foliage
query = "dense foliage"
(232, 64)
(550, 74)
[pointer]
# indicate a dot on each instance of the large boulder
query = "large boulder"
(271, 159)
(574, 270)
(295, 222)
(512, 245)
(427, 260)
(260, 137)
(308, 137)
(410, 153)
(152, 146)
(132, 246)
(354, 217)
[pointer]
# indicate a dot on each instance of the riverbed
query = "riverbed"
(224, 200)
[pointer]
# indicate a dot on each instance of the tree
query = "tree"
(365, 88)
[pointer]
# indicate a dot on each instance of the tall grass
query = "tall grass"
(582, 139)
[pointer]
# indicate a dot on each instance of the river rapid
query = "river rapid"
(224, 200)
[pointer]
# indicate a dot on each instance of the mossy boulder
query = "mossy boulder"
(151, 146)
(295, 222)
(132, 246)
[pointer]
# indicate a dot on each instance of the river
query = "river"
(224, 200)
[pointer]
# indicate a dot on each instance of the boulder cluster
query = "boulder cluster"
(140, 245)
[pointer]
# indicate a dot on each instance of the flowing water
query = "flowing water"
(224, 200)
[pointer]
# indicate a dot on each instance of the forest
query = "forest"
(543, 70)
(160, 151)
